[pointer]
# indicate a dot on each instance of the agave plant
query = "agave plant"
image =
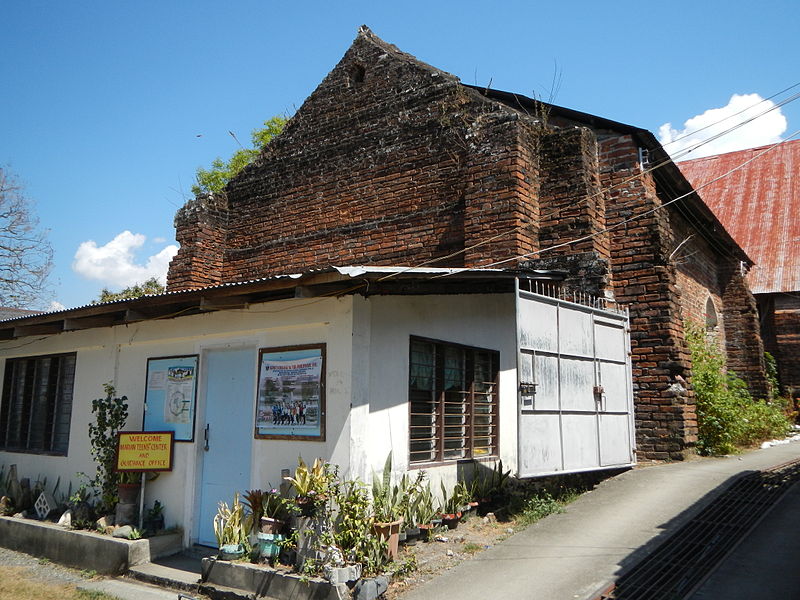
(230, 526)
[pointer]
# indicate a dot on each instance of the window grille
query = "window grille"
(37, 404)
(452, 402)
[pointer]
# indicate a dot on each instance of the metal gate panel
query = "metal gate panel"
(610, 340)
(540, 448)
(575, 332)
(546, 376)
(577, 379)
(575, 389)
(539, 326)
(615, 433)
(615, 383)
(580, 442)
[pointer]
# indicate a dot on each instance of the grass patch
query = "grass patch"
(16, 583)
(537, 505)
(471, 548)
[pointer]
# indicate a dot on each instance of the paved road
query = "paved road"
(765, 566)
(571, 556)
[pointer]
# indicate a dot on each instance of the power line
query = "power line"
(630, 219)
(663, 163)
(677, 139)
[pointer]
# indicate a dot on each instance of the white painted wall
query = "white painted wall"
(366, 381)
(120, 354)
(480, 320)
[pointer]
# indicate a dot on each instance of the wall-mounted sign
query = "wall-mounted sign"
(144, 450)
(291, 393)
(170, 395)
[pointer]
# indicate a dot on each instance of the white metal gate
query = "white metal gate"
(575, 387)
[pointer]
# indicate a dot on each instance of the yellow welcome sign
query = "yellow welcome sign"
(145, 450)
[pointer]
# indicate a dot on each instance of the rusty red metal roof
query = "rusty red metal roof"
(760, 206)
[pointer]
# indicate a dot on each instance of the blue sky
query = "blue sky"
(102, 103)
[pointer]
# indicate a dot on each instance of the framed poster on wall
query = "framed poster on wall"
(171, 395)
(291, 393)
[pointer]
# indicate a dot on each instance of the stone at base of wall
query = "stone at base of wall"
(83, 549)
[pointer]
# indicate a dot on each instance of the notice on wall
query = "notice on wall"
(291, 393)
(170, 396)
(144, 450)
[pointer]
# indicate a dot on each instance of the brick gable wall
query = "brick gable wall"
(392, 162)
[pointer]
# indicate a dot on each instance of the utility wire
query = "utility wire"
(633, 218)
(679, 138)
(667, 161)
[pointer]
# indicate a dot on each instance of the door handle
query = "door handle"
(205, 433)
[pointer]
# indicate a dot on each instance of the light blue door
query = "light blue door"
(226, 434)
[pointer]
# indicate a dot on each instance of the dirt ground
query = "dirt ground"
(449, 548)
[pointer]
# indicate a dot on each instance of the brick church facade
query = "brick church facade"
(393, 162)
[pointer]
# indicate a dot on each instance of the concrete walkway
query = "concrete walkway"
(574, 555)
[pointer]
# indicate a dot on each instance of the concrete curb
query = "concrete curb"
(83, 549)
(221, 579)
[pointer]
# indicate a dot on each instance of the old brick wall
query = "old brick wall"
(647, 283)
(744, 346)
(698, 275)
(572, 207)
(388, 162)
(787, 341)
(201, 227)
(393, 162)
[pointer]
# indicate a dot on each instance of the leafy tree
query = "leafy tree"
(151, 286)
(26, 256)
(213, 180)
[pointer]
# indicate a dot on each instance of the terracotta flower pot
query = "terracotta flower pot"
(270, 525)
(128, 492)
(391, 533)
(450, 520)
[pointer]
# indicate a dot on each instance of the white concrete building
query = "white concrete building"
(442, 371)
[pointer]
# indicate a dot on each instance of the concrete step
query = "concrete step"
(179, 572)
(125, 589)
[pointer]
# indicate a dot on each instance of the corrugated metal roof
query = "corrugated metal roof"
(760, 206)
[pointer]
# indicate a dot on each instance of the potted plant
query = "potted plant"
(154, 518)
(413, 495)
(388, 508)
(451, 508)
(427, 510)
(230, 529)
(312, 487)
(274, 512)
(267, 510)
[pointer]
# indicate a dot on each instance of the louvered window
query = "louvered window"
(453, 402)
(37, 404)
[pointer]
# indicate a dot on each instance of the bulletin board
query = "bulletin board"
(291, 393)
(171, 395)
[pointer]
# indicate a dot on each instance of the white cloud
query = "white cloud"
(114, 263)
(764, 130)
(55, 306)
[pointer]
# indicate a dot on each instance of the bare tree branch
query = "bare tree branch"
(26, 257)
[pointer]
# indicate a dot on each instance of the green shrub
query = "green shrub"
(727, 415)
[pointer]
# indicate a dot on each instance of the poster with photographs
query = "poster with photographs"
(291, 393)
(170, 395)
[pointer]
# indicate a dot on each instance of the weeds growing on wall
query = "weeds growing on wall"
(728, 417)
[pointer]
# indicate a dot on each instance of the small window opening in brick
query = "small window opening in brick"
(711, 315)
(357, 73)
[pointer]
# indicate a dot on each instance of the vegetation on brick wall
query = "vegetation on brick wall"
(728, 416)
(214, 179)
